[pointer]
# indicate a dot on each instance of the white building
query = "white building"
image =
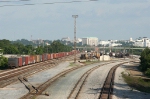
(142, 42)
(78, 40)
(110, 43)
(65, 39)
(47, 43)
(1, 52)
(93, 41)
(104, 42)
(130, 40)
(114, 44)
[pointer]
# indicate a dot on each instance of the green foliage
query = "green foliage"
(16, 47)
(147, 72)
(145, 59)
(4, 43)
(22, 41)
(11, 50)
(39, 50)
(57, 46)
(137, 83)
(3, 62)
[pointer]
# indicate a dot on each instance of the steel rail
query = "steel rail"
(107, 89)
(78, 86)
(12, 76)
(43, 86)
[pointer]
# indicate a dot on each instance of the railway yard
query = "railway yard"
(63, 79)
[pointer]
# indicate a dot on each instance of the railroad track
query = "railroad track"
(107, 89)
(11, 76)
(76, 90)
(43, 87)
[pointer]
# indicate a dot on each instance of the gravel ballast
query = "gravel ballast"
(17, 89)
(63, 86)
(123, 91)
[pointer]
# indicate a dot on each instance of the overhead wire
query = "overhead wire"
(13, 0)
(42, 3)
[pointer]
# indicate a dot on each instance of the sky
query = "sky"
(105, 19)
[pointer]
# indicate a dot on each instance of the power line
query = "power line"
(42, 3)
(13, 1)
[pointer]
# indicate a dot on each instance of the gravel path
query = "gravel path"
(123, 91)
(17, 89)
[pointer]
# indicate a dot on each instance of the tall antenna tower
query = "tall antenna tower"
(75, 16)
(31, 43)
(31, 38)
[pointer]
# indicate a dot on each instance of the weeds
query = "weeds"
(137, 83)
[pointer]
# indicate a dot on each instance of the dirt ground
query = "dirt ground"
(132, 69)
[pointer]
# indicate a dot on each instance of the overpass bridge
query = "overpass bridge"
(93, 47)
(110, 48)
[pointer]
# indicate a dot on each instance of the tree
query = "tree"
(4, 43)
(11, 50)
(145, 59)
(3, 63)
(39, 50)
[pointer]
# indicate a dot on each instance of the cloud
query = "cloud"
(101, 18)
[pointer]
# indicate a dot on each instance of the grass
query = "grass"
(71, 64)
(137, 83)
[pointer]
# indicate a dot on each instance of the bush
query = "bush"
(145, 59)
(137, 83)
(3, 63)
(147, 72)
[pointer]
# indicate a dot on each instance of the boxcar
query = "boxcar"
(14, 62)
(41, 58)
(44, 57)
(37, 58)
(48, 56)
(54, 55)
(32, 59)
(25, 60)
(51, 56)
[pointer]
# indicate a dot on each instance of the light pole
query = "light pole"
(75, 16)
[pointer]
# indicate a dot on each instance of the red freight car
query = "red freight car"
(48, 56)
(51, 56)
(31, 59)
(25, 60)
(54, 55)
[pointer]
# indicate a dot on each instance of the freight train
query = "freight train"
(90, 55)
(14, 62)
(119, 55)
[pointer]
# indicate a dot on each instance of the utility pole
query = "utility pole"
(124, 53)
(103, 52)
(75, 16)
(32, 45)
